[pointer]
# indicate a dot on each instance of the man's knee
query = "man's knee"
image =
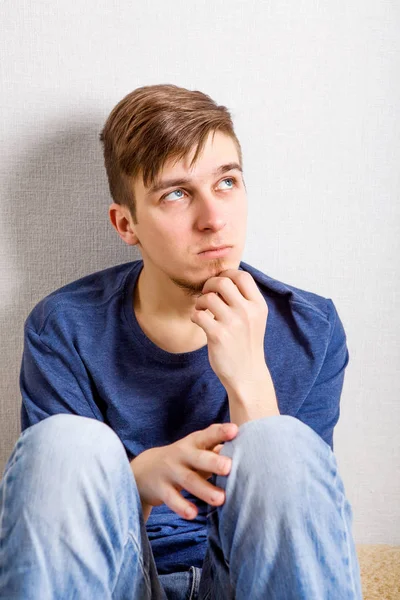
(274, 448)
(275, 435)
(63, 437)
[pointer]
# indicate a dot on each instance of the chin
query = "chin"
(192, 281)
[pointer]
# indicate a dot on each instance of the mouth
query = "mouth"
(215, 252)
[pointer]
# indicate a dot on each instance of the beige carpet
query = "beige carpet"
(380, 571)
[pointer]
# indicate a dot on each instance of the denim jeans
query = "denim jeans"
(71, 524)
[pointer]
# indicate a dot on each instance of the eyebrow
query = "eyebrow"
(162, 185)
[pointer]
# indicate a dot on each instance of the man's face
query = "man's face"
(180, 220)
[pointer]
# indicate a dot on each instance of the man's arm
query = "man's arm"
(53, 380)
(233, 313)
(321, 408)
(254, 400)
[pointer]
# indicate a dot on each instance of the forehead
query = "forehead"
(217, 150)
(217, 147)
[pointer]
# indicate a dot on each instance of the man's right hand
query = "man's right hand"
(162, 472)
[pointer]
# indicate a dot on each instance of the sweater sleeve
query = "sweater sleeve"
(53, 380)
(321, 408)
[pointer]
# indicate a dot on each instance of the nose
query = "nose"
(211, 213)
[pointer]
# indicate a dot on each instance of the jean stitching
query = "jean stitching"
(139, 554)
(347, 536)
(192, 589)
(132, 538)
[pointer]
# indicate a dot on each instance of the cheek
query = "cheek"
(241, 215)
(171, 234)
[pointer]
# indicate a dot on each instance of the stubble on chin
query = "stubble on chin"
(194, 288)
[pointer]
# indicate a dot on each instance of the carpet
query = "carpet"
(380, 571)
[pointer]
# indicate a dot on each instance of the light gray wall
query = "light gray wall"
(314, 92)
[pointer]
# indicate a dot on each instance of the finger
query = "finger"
(209, 474)
(245, 284)
(176, 502)
(206, 461)
(214, 434)
(209, 462)
(226, 288)
(218, 448)
(202, 489)
(205, 320)
(215, 305)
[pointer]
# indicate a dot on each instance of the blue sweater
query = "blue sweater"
(85, 354)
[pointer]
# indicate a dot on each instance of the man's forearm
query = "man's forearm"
(253, 400)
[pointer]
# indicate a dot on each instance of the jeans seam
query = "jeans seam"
(132, 538)
(193, 583)
(347, 536)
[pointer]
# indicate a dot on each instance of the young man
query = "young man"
(129, 375)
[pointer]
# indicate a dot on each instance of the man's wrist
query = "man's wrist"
(252, 399)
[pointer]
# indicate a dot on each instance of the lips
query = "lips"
(212, 248)
(215, 252)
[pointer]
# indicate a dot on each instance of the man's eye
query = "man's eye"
(174, 192)
(179, 191)
(229, 179)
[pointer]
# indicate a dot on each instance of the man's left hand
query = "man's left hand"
(235, 330)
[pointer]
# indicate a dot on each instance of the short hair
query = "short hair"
(153, 124)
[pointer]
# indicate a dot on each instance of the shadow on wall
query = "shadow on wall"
(55, 228)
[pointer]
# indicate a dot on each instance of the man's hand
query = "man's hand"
(162, 472)
(236, 333)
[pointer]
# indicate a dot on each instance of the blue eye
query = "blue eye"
(174, 192)
(179, 191)
(229, 179)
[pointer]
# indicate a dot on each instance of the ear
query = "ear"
(121, 220)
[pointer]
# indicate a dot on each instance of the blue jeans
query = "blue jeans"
(71, 524)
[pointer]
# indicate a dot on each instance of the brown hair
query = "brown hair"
(152, 124)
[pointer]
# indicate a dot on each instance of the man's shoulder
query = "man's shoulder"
(94, 289)
(285, 292)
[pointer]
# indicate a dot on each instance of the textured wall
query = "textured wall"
(314, 91)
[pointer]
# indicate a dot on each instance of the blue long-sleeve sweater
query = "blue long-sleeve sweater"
(85, 354)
